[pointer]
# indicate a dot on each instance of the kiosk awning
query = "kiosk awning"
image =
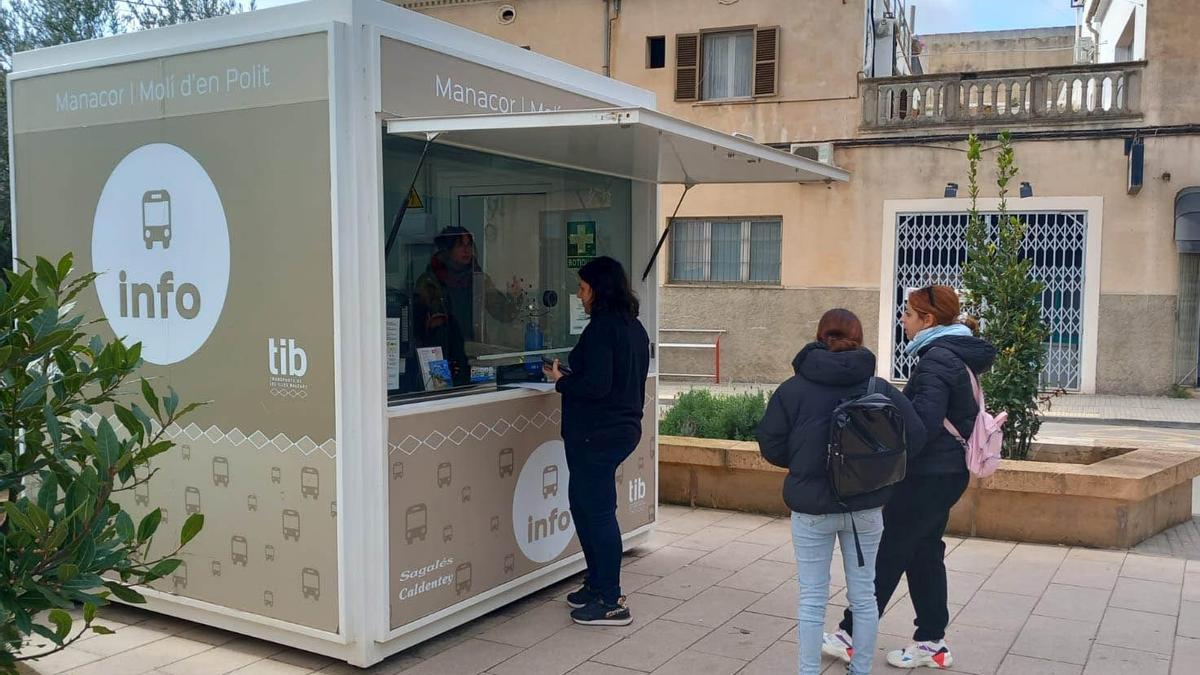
(633, 143)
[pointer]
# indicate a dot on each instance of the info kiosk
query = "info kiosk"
(356, 231)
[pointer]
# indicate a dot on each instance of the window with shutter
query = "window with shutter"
(766, 61)
(687, 67)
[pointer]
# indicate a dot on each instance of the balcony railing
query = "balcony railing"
(1085, 93)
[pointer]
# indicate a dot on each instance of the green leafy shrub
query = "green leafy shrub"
(1004, 295)
(64, 541)
(700, 414)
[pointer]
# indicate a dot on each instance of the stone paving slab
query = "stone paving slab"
(729, 608)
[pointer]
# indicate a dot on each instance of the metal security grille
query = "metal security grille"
(931, 247)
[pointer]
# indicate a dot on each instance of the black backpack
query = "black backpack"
(866, 449)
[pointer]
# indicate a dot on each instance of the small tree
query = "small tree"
(1001, 292)
(63, 540)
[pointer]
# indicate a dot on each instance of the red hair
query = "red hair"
(940, 302)
(840, 330)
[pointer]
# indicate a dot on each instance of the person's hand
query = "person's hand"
(552, 372)
(515, 287)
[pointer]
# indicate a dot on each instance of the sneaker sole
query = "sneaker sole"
(925, 664)
(576, 605)
(605, 622)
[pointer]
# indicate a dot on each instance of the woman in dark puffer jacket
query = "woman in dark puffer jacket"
(916, 517)
(794, 434)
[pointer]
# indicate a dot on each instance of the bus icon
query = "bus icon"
(252, 503)
(443, 474)
(466, 494)
(216, 568)
(510, 563)
(180, 577)
(495, 523)
(641, 463)
(333, 509)
(220, 471)
(397, 470)
(310, 583)
(268, 599)
(276, 475)
(141, 494)
(269, 553)
(191, 500)
(416, 519)
(550, 481)
(163, 511)
(187, 452)
(620, 474)
(310, 483)
(506, 462)
(156, 218)
(462, 579)
(239, 550)
(291, 525)
(448, 534)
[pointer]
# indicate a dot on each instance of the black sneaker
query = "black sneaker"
(582, 597)
(598, 613)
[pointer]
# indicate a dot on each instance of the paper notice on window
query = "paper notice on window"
(579, 318)
(395, 365)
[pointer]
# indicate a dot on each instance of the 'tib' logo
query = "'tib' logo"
(285, 358)
(637, 490)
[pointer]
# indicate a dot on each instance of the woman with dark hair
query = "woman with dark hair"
(916, 517)
(794, 434)
(603, 395)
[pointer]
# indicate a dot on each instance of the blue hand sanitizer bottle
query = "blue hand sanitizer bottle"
(534, 341)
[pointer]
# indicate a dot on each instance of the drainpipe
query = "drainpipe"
(1087, 22)
(607, 38)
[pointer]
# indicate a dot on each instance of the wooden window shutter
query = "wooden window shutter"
(687, 67)
(766, 61)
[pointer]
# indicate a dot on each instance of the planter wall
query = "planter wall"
(1073, 494)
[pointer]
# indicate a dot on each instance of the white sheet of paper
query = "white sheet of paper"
(536, 386)
(579, 318)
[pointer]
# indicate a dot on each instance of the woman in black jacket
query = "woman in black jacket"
(794, 434)
(915, 520)
(603, 396)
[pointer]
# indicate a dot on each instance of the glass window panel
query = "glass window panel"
(728, 65)
(726, 251)
(765, 252)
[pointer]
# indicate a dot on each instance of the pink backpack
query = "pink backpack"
(987, 439)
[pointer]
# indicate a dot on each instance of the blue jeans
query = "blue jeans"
(813, 539)
(592, 495)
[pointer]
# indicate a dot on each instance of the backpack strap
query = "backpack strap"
(871, 385)
(978, 393)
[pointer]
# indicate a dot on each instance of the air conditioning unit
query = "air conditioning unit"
(884, 27)
(818, 152)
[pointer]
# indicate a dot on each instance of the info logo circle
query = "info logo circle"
(160, 243)
(541, 514)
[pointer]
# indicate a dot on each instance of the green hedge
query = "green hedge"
(700, 414)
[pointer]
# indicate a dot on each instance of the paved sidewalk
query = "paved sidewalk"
(1157, 411)
(714, 593)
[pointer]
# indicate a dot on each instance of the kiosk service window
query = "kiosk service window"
(482, 267)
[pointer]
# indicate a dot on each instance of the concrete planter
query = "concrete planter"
(1072, 494)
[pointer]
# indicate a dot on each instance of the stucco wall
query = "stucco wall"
(765, 327)
(1137, 338)
(998, 50)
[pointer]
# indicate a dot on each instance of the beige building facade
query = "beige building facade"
(1106, 148)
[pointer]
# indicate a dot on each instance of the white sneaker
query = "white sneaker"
(922, 655)
(838, 645)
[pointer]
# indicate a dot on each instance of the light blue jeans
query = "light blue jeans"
(813, 538)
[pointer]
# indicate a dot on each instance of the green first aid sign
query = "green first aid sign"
(581, 243)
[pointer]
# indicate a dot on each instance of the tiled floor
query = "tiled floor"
(714, 593)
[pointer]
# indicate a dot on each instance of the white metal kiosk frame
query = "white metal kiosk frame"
(328, 526)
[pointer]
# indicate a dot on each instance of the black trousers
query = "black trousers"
(592, 495)
(914, 522)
